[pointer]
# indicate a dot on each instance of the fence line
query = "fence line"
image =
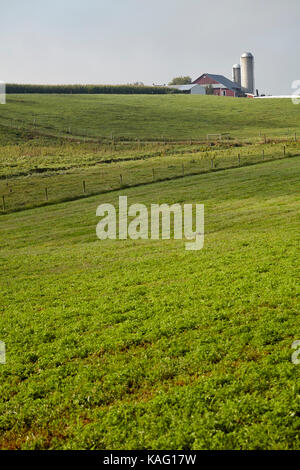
(67, 134)
(122, 182)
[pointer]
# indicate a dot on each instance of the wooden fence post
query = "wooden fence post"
(263, 154)
(3, 202)
(121, 180)
(284, 150)
(83, 186)
(295, 136)
(239, 158)
(46, 194)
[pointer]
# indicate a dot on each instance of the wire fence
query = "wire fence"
(70, 131)
(41, 189)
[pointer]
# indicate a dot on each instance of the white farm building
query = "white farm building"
(192, 89)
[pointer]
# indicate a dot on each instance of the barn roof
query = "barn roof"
(223, 80)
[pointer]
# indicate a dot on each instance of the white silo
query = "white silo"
(236, 74)
(247, 72)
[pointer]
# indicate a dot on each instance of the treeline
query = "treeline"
(90, 89)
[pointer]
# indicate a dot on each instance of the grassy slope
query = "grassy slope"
(143, 345)
(175, 117)
(63, 177)
(30, 163)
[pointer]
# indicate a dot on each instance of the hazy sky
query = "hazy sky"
(123, 41)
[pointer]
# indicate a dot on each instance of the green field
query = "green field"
(41, 165)
(150, 117)
(139, 344)
(35, 176)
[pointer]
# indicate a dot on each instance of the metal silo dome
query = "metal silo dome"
(247, 54)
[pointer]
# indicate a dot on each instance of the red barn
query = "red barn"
(221, 85)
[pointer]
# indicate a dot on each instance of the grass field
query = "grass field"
(141, 344)
(30, 182)
(36, 170)
(150, 117)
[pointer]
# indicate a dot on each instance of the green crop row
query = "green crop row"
(90, 89)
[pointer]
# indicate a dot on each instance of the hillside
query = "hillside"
(55, 148)
(142, 345)
(150, 117)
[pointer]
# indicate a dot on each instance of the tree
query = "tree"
(209, 90)
(181, 81)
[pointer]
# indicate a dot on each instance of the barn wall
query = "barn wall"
(205, 81)
(230, 93)
(219, 92)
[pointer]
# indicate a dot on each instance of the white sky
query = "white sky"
(123, 41)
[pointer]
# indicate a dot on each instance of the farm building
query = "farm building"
(221, 85)
(192, 89)
(241, 85)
